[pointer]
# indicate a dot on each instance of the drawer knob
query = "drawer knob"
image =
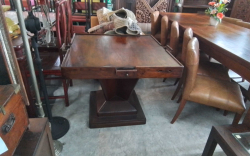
(9, 124)
(127, 74)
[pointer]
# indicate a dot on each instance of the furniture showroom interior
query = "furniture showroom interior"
(124, 77)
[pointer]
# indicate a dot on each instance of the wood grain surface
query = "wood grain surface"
(102, 56)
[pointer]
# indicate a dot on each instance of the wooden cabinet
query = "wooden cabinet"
(13, 117)
(37, 140)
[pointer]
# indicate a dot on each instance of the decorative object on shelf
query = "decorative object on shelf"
(216, 11)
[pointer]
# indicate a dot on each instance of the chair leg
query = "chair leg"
(176, 81)
(183, 103)
(65, 89)
(179, 99)
(236, 119)
(225, 113)
(70, 82)
(164, 79)
(177, 89)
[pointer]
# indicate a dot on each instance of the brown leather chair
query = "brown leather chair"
(159, 27)
(231, 20)
(206, 68)
(206, 90)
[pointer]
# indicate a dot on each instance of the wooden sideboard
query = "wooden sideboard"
(37, 140)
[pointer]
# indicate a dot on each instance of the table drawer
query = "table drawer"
(119, 73)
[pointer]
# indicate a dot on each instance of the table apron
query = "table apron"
(111, 73)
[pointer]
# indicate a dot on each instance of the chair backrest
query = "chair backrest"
(243, 24)
(155, 22)
(174, 37)
(231, 20)
(81, 7)
(192, 64)
(61, 22)
(96, 6)
(188, 35)
(164, 30)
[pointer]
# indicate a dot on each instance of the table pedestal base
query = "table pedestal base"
(114, 119)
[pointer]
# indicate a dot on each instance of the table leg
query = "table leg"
(210, 145)
(115, 105)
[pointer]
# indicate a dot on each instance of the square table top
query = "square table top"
(117, 51)
(105, 52)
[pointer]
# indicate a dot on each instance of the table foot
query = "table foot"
(115, 119)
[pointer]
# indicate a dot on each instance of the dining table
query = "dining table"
(227, 43)
(117, 62)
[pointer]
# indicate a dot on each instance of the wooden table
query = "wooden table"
(222, 135)
(227, 43)
(118, 62)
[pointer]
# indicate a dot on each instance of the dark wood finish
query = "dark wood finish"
(13, 103)
(222, 135)
(101, 56)
(118, 62)
(96, 6)
(37, 140)
(219, 42)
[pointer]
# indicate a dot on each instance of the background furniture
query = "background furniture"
(104, 57)
(233, 57)
(14, 119)
(241, 10)
(131, 4)
(194, 6)
(222, 135)
(37, 140)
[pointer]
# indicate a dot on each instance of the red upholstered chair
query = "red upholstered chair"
(52, 57)
(207, 90)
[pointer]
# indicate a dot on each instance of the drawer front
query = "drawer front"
(16, 108)
(118, 73)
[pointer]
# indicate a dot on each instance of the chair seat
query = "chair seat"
(50, 61)
(217, 93)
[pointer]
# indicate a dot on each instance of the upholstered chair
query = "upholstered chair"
(159, 27)
(231, 20)
(156, 25)
(206, 68)
(207, 90)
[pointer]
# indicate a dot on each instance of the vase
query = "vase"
(213, 21)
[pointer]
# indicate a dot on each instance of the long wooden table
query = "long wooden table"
(118, 62)
(227, 43)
